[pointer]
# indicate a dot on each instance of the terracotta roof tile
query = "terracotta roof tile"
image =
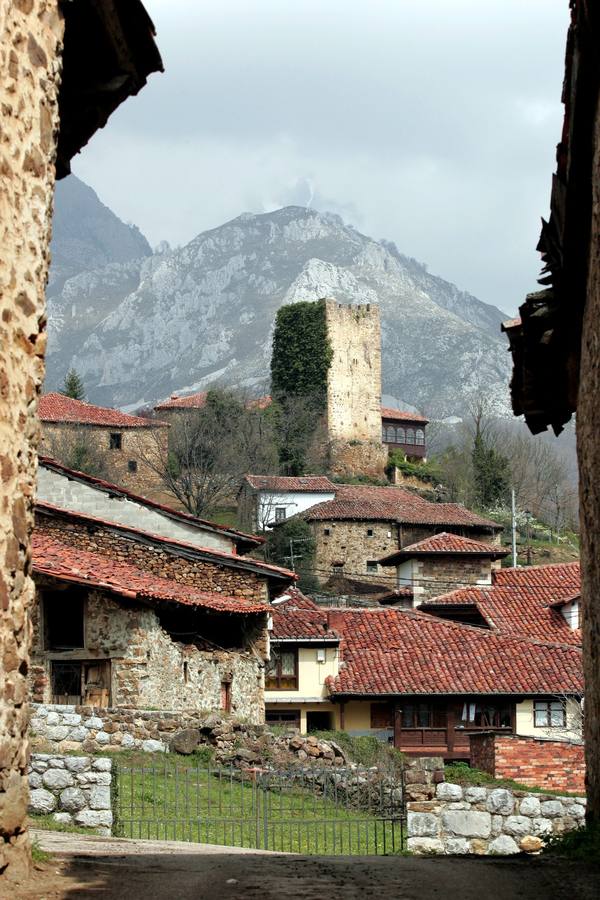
(298, 618)
(393, 504)
(445, 544)
(284, 483)
(56, 407)
(58, 560)
(392, 651)
(400, 415)
(192, 401)
(521, 601)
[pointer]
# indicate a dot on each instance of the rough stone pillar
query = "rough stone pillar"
(588, 449)
(30, 54)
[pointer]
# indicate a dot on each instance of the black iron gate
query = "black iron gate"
(311, 811)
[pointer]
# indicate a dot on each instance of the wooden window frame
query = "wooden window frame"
(280, 514)
(420, 437)
(410, 436)
(382, 715)
(400, 435)
(538, 705)
(415, 714)
(273, 682)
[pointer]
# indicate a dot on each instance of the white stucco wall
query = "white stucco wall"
(294, 502)
(52, 487)
(525, 722)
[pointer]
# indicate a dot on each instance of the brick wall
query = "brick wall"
(199, 573)
(30, 53)
(537, 762)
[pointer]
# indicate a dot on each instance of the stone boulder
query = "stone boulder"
(185, 742)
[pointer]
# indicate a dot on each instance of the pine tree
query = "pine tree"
(73, 386)
(491, 473)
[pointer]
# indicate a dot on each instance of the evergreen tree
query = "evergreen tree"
(73, 386)
(491, 472)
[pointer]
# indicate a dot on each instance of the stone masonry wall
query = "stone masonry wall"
(537, 762)
(354, 377)
(349, 543)
(199, 573)
(139, 445)
(149, 668)
(30, 54)
(433, 576)
(487, 820)
(75, 790)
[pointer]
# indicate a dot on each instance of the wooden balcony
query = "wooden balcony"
(449, 742)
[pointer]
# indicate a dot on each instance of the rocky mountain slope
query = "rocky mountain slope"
(139, 326)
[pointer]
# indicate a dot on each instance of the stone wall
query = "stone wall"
(350, 458)
(30, 54)
(150, 668)
(350, 543)
(537, 762)
(75, 790)
(487, 820)
(200, 573)
(433, 576)
(138, 445)
(354, 377)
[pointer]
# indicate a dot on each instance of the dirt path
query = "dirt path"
(110, 869)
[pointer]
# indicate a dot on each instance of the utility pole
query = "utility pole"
(292, 561)
(514, 527)
(528, 519)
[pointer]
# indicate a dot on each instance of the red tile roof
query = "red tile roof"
(56, 407)
(260, 402)
(521, 601)
(284, 483)
(192, 401)
(393, 504)
(220, 557)
(445, 544)
(300, 618)
(400, 415)
(248, 541)
(57, 560)
(393, 651)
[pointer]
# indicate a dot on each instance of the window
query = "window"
(327, 532)
(337, 568)
(78, 682)
(282, 670)
(132, 466)
(410, 435)
(391, 434)
(420, 437)
(280, 515)
(485, 715)
(382, 715)
(372, 567)
(318, 721)
(400, 436)
(226, 696)
(64, 614)
(416, 715)
(290, 717)
(115, 440)
(549, 714)
(186, 671)
(369, 532)
(383, 434)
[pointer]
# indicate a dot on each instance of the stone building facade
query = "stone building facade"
(128, 448)
(353, 417)
(30, 51)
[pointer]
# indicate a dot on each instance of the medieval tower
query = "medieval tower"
(353, 416)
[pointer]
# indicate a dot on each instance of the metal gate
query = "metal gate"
(310, 811)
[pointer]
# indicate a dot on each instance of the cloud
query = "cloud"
(431, 124)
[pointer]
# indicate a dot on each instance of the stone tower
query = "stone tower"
(353, 417)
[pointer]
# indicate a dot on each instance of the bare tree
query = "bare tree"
(209, 451)
(77, 447)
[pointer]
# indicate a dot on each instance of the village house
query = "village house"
(404, 431)
(64, 69)
(152, 621)
(365, 523)
(416, 681)
(443, 563)
(116, 441)
(266, 499)
(538, 602)
(59, 485)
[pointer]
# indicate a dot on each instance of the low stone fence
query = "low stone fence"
(75, 790)
(536, 762)
(488, 820)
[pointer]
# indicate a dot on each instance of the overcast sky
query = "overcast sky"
(432, 123)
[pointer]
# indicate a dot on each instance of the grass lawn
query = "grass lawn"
(169, 800)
